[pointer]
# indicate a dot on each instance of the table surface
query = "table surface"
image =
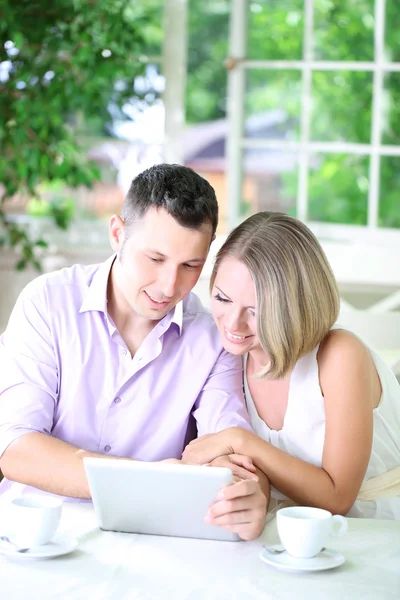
(120, 566)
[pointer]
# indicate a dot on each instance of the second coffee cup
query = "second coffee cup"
(304, 530)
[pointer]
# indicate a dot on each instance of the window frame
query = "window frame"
(238, 65)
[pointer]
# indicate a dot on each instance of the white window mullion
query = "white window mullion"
(305, 121)
(318, 65)
(376, 127)
(174, 70)
(319, 147)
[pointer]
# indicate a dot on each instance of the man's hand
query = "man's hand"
(208, 447)
(241, 508)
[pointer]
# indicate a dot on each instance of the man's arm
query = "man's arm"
(29, 382)
(221, 402)
(47, 463)
(221, 405)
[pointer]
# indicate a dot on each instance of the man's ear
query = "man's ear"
(116, 232)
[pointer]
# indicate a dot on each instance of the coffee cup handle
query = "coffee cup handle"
(339, 525)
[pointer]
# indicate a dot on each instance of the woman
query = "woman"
(325, 407)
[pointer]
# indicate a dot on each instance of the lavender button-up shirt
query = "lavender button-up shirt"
(66, 371)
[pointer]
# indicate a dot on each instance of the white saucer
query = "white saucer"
(327, 559)
(58, 546)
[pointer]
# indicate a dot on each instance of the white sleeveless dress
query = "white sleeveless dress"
(303, 431)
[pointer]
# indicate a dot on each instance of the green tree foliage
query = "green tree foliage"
(341, 102)
(58, 60)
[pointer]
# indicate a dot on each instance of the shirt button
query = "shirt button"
(117, 400)
(107, 448)
(122, 351)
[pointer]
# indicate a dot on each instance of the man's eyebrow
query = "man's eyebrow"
(189, 260)
(196, 260)
(223, 293)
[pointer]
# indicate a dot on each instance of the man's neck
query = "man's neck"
(133, 328)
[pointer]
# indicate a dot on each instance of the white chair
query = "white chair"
(379, 329)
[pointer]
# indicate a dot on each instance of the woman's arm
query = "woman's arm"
(351, 389)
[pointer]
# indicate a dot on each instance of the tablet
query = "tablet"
(155, 497)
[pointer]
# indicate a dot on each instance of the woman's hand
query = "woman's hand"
(240, 508)
(241, 466)
(208, 447)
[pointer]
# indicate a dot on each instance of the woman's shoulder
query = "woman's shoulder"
(339, 341)
(342, 349)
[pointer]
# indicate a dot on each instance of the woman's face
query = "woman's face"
(233, 305)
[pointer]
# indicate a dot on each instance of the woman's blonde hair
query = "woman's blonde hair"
(296, 291)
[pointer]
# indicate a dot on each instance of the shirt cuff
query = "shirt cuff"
(12, 434)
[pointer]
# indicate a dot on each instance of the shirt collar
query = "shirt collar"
(177, 316)
(96, 295)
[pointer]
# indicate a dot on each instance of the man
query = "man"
(113, 359)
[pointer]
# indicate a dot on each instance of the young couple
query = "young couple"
(116, 359)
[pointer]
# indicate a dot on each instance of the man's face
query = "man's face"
(158, 263)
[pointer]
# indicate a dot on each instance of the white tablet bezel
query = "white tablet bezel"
(156, 497)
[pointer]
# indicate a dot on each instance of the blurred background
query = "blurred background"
(291, 105)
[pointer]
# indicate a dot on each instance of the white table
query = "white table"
(132, 567)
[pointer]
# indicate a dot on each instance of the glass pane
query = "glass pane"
(392, 38)
(344, 30)
(341, 106)
(270, 181)
(275, 29)
(389, 202)
(208, 37)
(338, 188)
(391, 117)
(272, 102)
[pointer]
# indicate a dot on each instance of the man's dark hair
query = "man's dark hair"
(186, 196)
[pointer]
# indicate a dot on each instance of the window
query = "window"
(314, 93)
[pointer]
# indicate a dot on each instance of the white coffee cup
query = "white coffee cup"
(32, 520)
(304, 531)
